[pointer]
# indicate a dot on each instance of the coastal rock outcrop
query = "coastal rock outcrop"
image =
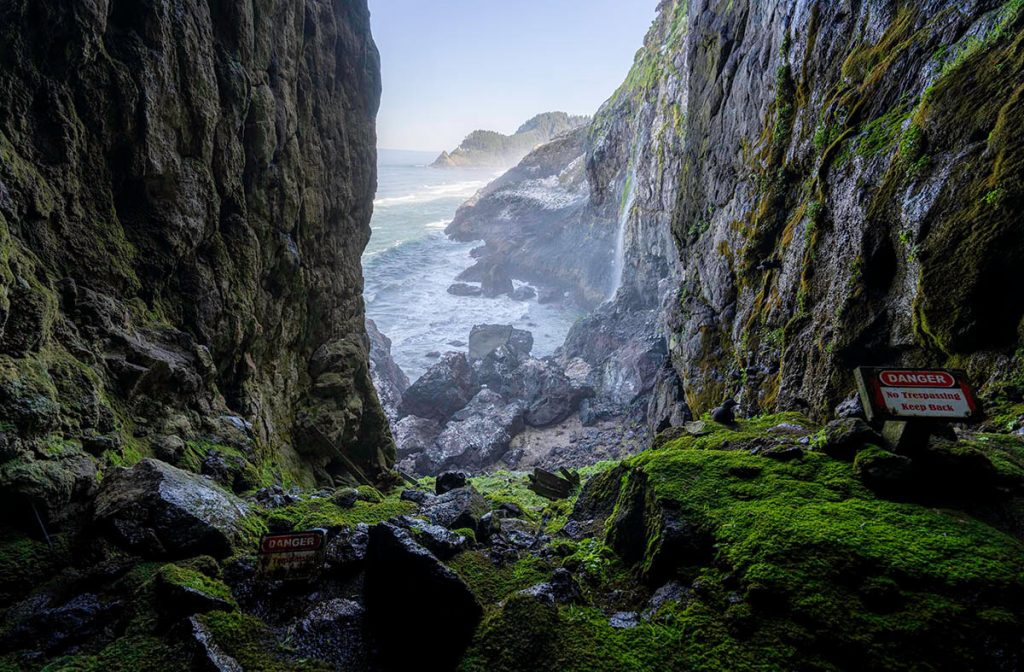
(492, 149)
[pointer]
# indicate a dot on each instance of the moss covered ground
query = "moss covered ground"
(808, 569)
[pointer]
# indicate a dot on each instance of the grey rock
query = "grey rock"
(485, 339)
(844, 437)
(624, 620)
(524, 293)
(332, 631)
(464, 289)
(450, 480)
(475, 437)
(444, 389)
(161, 511)
(413, 435)
(456, 509)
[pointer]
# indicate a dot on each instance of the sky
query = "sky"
(452, 66)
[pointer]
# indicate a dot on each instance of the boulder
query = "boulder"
(475, 437)
(51, 484)
(497, 371)
(485, 339)
(441, 541)
(449, 481)
(464, 289)
(158, 510)
(885, 472)
(547, 393)
(844, 437)
(347, 548)
(332, 631)
(415, 604)
(413, 435)
(457, 509)
(667, 407)
(445, 388)
(523, 293)
(850, 408)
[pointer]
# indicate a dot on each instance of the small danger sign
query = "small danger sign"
(298, 555)
(900, 394)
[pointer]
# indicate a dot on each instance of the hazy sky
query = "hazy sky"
(451, 66)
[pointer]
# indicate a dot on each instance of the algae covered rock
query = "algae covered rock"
(158, 510)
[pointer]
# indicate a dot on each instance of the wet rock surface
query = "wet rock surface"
(158, 510)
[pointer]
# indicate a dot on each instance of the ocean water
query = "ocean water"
(410, 262)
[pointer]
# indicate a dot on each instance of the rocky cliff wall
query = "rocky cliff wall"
(850, 195)
(185, 190)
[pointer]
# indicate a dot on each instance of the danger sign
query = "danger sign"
(936, 394)
(298, 555)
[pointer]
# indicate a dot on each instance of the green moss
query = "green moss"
(881, 134)
(128, 654)
(504, 487)
(247, 640)
(740, 435)
(26, 562)
(808, 545)
(192, 579)
(492, 582)
(316, 512)
(467, 533)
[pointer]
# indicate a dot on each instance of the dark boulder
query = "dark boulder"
(667, 407)
(850, 408)
(844, 437)
(445, 388)
(332, 631)
(347, 548)
(450, 480)
(441, 541)
(53, 625)
(885, 472)
(456, 509)
(475, 437)
(548, 394)
(161, 511)
(415, 604)
(464, 289)
(413, 435)
(485, 339)
(524, 293)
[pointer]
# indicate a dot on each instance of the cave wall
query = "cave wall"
(185, 193)
(850, 194)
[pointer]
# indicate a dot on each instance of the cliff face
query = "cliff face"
(185, 190)
(850, 195)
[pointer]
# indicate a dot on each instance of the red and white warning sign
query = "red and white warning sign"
(298, 555)
(936, 394)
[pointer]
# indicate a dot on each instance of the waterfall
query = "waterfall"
(619, 261)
